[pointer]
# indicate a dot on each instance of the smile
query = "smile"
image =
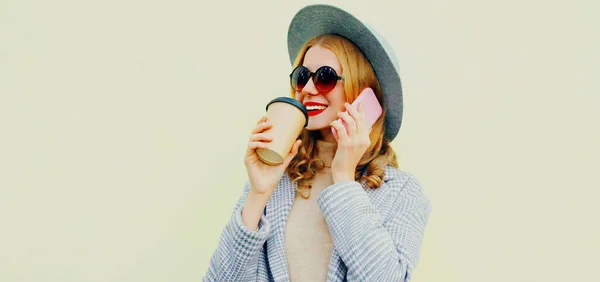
(315, 108)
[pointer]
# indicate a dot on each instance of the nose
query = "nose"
(309, 88)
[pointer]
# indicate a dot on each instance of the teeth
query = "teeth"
(311, 108)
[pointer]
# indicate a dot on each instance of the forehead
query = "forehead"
(318, 56)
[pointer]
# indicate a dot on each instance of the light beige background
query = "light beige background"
(123, 125)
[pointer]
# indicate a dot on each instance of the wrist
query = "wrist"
(258, 197)
(253, 209)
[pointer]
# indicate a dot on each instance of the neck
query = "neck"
(327, 135)
(326, 151)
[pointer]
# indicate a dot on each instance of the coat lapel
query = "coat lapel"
(278, 209)
(337, 268)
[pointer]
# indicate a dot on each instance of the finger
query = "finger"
(260, 137)
(335, 135)
(262, 119)
(350, 122)
(293, 152)
(253, 146)
(341, 131)
(263, 126)
(358, 114)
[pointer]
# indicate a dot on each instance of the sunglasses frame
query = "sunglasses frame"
(311, 75)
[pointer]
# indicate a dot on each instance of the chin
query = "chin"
(321, 121)
(318, 125)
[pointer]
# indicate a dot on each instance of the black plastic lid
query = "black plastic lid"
(292, 102)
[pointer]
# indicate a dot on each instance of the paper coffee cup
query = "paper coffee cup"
(288, 117)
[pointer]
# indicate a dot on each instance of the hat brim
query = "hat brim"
(317, 20)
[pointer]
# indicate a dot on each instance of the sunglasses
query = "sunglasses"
(324, 79)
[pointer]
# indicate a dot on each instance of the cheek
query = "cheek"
(336, 110)
(338, 101)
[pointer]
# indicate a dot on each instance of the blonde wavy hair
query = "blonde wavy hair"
(358, 74)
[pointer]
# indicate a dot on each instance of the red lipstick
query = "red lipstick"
(315, 108)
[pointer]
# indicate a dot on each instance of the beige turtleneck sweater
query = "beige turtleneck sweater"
(308, 243)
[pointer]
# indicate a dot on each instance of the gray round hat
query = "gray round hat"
(315, 20)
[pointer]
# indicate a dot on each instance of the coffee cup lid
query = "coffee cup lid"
(292, 102)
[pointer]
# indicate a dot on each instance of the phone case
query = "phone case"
(373, 109)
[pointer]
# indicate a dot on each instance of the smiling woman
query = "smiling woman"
(337, 208)
(324, 103)
(322, 52)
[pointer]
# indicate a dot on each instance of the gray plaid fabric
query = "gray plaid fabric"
(377, 233)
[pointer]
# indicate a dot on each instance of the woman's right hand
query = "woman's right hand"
(264, 178)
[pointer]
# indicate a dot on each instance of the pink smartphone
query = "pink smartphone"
(373, 109)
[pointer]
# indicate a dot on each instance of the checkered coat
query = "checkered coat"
(377, 233)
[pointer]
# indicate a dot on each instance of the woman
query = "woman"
(338, 208)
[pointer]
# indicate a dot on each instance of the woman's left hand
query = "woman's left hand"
(352, 144)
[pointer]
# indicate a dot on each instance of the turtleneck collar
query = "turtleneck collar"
(326, 151)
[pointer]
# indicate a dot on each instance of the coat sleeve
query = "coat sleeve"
(236, 256)
(373, 249)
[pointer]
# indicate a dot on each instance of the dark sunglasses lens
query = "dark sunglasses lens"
(299, 78)
(325, 79)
